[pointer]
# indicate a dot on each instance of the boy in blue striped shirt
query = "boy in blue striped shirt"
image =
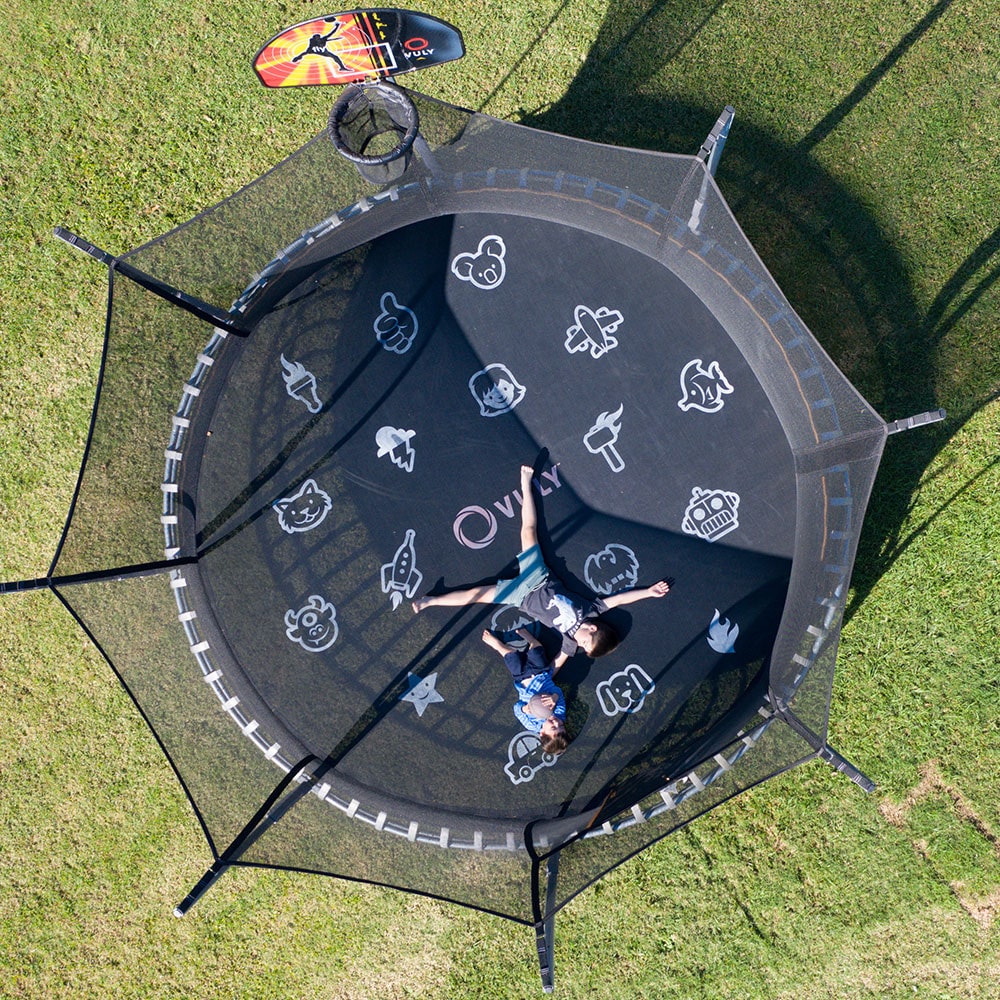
(540, 706)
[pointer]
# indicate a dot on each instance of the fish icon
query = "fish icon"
(703, 388)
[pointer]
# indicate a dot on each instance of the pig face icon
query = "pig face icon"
(313, 626)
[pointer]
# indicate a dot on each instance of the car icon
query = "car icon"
(525, 757)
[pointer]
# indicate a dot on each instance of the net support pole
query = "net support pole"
(545, 929)
(544, 910)
(276, 806)
(710, 154)
(918, 420)
(823, 750)
(205, 312)
(711, 149)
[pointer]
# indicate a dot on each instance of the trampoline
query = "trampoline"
(314, 402)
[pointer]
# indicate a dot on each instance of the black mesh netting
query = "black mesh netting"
(512, 297)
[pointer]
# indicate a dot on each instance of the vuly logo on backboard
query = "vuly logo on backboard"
(475, 526)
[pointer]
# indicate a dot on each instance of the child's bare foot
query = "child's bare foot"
(494, 643)
(419, 604)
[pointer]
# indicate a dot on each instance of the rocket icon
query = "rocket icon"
(401, 578)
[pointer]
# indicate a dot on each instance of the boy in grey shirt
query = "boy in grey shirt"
(543, 596)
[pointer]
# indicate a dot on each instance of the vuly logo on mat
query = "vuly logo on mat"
(475, 526)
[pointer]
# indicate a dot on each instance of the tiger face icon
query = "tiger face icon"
(304, 510)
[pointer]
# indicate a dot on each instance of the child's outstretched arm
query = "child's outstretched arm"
(660, 589)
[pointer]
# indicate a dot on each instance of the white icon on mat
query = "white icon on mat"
(615, 567)
(507, 620)
(496, 390)
(396, 325)
(602, 437)
(301, 384)
(314, 626)
(711, 514)
(395, 442)
(625, 691)
(722, 634)
(703, 388)
(401, 578)
(304, 510)
(525, 757)
(422, 691)
(592, 329)
(485, 268)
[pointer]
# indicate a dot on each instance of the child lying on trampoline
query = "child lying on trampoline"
(541, 706)
(543, 596)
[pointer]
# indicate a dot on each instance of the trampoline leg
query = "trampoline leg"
(823, 749)
(545, 930)
(843, 765)
(543, 941)
(203, 885)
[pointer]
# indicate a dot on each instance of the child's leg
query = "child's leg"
(528, 637)
(529, 516)
(457, 598)
(496, 643)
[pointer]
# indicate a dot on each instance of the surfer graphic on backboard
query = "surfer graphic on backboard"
(317, 46)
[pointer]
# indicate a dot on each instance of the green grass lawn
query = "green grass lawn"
(864, 165)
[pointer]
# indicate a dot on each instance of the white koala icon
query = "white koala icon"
(486, 268)
(625, 691)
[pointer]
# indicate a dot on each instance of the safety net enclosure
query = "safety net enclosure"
(314, 403)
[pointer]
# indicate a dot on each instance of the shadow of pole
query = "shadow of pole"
(844, 276)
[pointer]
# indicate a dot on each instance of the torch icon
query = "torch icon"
(301, 384)
(601, 438)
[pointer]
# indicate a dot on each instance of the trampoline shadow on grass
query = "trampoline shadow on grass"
(358, 371)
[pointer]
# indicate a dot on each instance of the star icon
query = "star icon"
(422, 692)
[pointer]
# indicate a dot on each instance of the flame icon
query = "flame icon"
(401, 578)
(601, 438)
(301, 384)
(722, 634)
